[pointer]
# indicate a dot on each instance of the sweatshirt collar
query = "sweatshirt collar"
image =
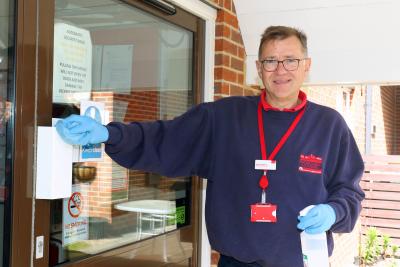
(266, 106)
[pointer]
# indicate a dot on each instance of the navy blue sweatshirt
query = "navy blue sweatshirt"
(319, 163)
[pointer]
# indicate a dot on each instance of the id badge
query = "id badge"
(265, 165)
(263, 212)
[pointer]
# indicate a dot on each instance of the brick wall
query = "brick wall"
(385, 110)
(332, 96)
(229, 69)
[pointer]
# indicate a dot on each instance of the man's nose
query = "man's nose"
(280, 68)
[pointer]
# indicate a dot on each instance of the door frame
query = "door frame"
(24, 122)
(117, 256)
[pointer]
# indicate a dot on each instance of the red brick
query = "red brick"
(217, 73)
(221, 73)
(221, 88)
(222, 30)
(225, 46)
(218, 59)
(217, 97)
(222, 60)
(214, 257)
(219, 28)
(229, 75)
(226, 60)
(227, 32)
(236, 90)
(228, 4)
(219, 45)
(240, 52)
(240, 78)
(237, 64)
(236, 37)
(224, 16)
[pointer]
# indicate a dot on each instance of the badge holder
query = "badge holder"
(263, 212)
(266, 212)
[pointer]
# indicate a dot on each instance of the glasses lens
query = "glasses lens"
(270, 65)
(291, 64)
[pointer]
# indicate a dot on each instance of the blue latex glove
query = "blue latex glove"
(81, 130)
(318, 220)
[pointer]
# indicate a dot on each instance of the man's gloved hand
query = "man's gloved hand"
(81, 130)
(318, 220)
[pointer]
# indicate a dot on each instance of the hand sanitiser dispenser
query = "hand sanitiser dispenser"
(314, 246)
(54, 165)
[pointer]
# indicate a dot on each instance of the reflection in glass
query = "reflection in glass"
(6, 96)
(140, 67)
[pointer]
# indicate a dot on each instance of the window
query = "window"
(130, 66)
(343, 105)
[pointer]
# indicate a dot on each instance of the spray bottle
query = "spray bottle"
(314, 246)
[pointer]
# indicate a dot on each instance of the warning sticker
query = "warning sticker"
(75, 205)
(75, 215)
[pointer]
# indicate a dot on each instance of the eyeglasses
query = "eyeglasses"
(290, 64)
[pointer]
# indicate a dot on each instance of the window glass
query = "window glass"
(6, 134)
(134, 67)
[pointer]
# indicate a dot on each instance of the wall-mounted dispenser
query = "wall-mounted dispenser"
(54, 165)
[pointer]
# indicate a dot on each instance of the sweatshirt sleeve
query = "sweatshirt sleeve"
(345, 193)
(178, 147)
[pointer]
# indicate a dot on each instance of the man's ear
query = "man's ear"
(308, 64)
(259, 68)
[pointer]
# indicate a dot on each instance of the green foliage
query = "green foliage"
(371, 249)
(386, 243)
(394, 250)
(376, 247)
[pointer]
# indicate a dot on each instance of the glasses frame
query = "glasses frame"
(283, 64)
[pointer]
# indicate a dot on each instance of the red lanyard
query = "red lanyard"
(264, 180)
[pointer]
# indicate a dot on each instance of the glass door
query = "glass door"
(123, 61)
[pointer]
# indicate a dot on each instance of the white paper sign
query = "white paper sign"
(116, 71)
(72, 64)
(75, 215)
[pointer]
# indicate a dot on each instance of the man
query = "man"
(308, 157)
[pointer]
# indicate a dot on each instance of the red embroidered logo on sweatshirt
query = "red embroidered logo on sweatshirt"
(310, 163)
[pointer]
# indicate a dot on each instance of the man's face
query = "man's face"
(283, 85)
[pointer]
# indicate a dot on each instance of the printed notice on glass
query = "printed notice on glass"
(72, 64)
(112, 68)
(95, 110)
(75, 219)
